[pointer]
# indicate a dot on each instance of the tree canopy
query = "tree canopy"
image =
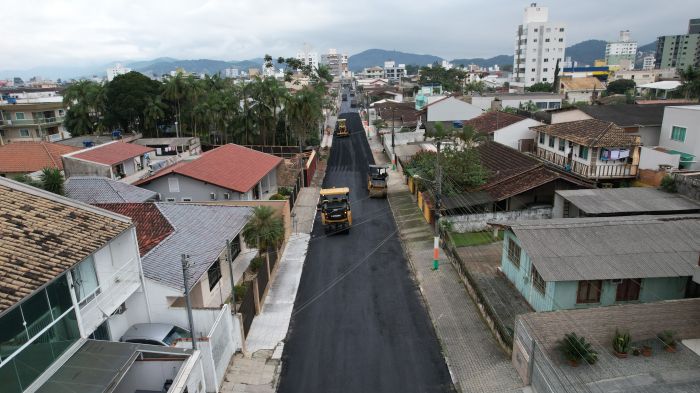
(451, 80)
(541, 86)
(620, 86)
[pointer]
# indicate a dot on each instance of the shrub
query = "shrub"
(668, 184)
(621, 342)
(284, 191)
(256, 263)
(668, 338)
(277, 197)
(575, 348)
(240, 290)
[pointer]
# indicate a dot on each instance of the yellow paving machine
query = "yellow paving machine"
(334, 205)
(376, 181)
(342, 130)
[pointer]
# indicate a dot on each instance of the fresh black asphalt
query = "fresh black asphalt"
(359, 323)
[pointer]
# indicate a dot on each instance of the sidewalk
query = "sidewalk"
(475, 360)
(258, 371)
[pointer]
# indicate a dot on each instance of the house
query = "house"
(96, 189)
(498, 101)
(34, 115)
(166, 231)
(506, 128)
(643, 120)
(71, 274)
(184, 146)
(114, 160)
(229, 172)
(584, 89)
(605, 202)
(679, 138)
(539, 362)
(21, 158)
(398, 114)
(568, 263)
(593, 149)
(449, 108)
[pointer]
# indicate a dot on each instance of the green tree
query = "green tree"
(174, 90)
(86, 105)
(52, 180)
(127, 98)
(153, 113)
(620, 86)
(264, 230)
(476, 86)
(451, 80)
(540, 86)
(690, 78)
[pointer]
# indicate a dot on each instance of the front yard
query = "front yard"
(474, 238)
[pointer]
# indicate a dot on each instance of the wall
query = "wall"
(688, 186)
(650, 135)
(479, 222)
(579, 96)
(190, 188)
(511, 135)
(651, 159)
(521, 277)
(688, 118)
(148, 375)
(569, 115)
(452, 109)
(77, 167)
(282, 208)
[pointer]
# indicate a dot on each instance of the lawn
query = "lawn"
(474, 238)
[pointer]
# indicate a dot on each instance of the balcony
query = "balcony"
(41, 121)
(618, 171)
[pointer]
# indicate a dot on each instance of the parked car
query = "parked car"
(163, 334)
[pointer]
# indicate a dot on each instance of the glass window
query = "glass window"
(19, 115)
(583, 152)
(85, 281)
(514, 253)
(36, 313)
(24, 132)
(214, 274)
(537, 281)
(175, 334)
(562, 144)
(678, 133)
(542, 138)
(551, 141)
(589, 291)
(9, 379)
(628, 290)
(59, 296)
(12, 332)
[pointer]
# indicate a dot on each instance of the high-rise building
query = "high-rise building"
(393, 71)
(679, 51)
(538, 45)
(116, 70)
(648, 63)
(336, 62)
(308, 57)
(622, 52)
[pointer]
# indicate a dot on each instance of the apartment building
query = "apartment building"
(308, 57)
(679, 51)
(538, 45)
(622, 52)
(393, 71)
(336, 62)
(32, 115)
(115, 71)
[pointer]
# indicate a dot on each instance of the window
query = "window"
(545, 69)
(628, 290)
(546, 40)
(214, 274)
(551, 141)
(187, 199)
(562, 144)
(561, 40)
(85, 281)
(170, 199)
(536, 30)
(546, 60)
(537, 281)
(235, 247)
(534, 69)
(24, 132)
(678, 134)
(173, 184)
(514, 253)
(583, 152)
(542, 138)
(561, 29)
(19, 116)
(544, 80)
(588, 292)
(534, 40)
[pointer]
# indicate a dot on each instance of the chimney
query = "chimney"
(496, 104)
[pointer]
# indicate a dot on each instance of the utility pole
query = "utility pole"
(436, 241)
(229, 261)
(185, 266)
(393, 153)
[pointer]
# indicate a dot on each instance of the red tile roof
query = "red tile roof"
(492, 121)
(28, 157)
(113, 153)
(230, 166)
(151, 226)
(591, 132)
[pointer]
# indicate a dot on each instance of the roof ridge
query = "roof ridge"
(111, 185)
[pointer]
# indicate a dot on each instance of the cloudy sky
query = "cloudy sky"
(78, 33)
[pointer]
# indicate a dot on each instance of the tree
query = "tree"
(412, 69)
(173, 89)
(153, 113)
(620, 86)
(451, 80)
(476, 86)
(264, 230)
(690, 77)
(127, 98)
(506, 67)
(86, 105)
(557, 78)
(541, 86)
(52, 180)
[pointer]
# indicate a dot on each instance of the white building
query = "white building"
(648, 63)
(336, 62)
(231, 72)
(538, 45)
(308, 57)
(621, 52)
(679, 141)
(393, 71)
(113, 72)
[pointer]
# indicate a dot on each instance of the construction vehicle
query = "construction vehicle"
(376, 181)
(342, 129)
(335, 209)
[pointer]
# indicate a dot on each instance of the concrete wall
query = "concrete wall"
(681, 117)
(479, 222)
(190, 188)
(688, 186)
(570, 115)
(77, 167)
(521, 277)
(451, 109)
(651, 159)
(511, 135)
(148, 375)
(650, 135)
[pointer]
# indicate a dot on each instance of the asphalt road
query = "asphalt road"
(359, 323)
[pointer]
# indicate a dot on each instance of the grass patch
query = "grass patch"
(474, 238)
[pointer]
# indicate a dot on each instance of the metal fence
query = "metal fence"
(247, 308)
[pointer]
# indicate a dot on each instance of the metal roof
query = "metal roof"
(200, 231)
(573, 249)
(95, 189)
(638, 200)
(98, 366)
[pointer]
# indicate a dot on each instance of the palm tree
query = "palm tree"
(469, 137)
(154, 112)
(52, 180)
(174, 90)
(264, 230)
(691, 82)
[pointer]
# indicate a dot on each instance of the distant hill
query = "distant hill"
(373, 57)
(586, 52)
(648, 48)
(481, 62)
(201, 66)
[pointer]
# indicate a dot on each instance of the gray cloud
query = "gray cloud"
(82, 32)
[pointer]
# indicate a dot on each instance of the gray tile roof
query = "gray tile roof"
(93, 189)
(200, 231)
(572, 249)
(639, 200)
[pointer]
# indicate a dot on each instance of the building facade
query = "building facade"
(622, 52)
(539, 45)
(336, 62)
(679, 51)
(33, 119)
(308, 57)
(680, 135)
(394, 72)
(115, 71)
